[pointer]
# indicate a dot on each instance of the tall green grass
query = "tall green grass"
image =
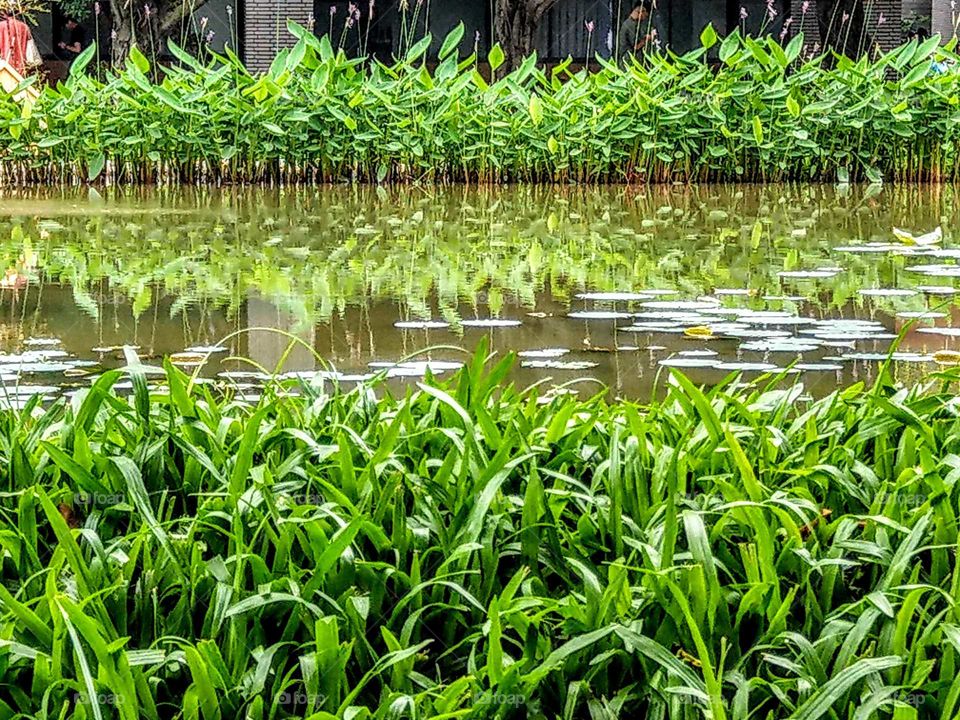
(470, 550)
(739, 109)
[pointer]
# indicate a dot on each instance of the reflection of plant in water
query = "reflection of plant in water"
(314, 253)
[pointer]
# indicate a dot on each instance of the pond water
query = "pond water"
(609, 284)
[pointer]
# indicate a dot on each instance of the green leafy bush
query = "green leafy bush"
(761, 112)
(469, 550)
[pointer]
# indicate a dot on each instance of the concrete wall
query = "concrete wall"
(265, 28)
(444, 17)
(213, 17)
(563, 32)
(917, 12)
(944, 18)
(887, 34)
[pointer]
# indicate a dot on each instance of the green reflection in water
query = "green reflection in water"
(169, 268)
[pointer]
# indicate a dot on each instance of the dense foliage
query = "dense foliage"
(760, 111)
(470, 550)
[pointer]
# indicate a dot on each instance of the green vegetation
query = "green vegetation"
(469, 550)
(764, 112)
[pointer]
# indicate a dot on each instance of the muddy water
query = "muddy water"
(613, 285)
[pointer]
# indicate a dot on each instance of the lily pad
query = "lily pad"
(599, 315)
(819, 367)
(906, 357)
(745, 367)
(491, 323)
(921, 315)
(42, 342)
(688, 362)
(557, 365)
(421, 325)
(784, 345)
(546, 354)
(207, 349)
(694, 305)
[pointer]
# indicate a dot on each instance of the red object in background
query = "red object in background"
(14, 37)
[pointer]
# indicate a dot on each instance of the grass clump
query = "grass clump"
(469, 550)
(737, 109)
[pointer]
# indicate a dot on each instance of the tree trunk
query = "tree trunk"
(943, 19)
(843, 27)
(134, 26)
(515, 25)
(121, 35)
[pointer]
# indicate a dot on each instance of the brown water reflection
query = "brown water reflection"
(339, 267)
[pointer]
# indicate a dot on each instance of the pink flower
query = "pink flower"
(333, 10)
(805, 7)
(881, 19)
(843, 20)
(589, 25)
(96, 8)
(743, 13)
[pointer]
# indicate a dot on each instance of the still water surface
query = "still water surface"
(610, 284)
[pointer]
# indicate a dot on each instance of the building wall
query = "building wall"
(917, 12)
(944, 18)
(445, 16)
(265, 28)
(884, 22)
(564, 31)
(218, 24)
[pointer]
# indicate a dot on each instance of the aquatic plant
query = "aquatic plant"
(468, 549)
(761, 112)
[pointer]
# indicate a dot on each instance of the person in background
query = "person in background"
(637, 33)
(74, 39)
(15, 37)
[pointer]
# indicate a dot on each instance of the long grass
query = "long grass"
(471, 550)
(740, 109)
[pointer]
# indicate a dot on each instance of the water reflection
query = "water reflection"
(711, 279)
